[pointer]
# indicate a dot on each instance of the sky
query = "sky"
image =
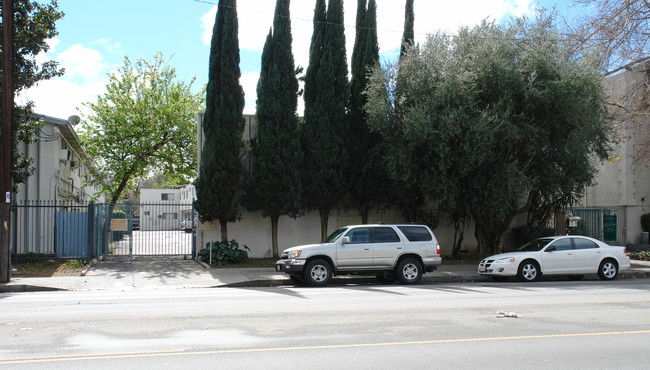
(95, 36)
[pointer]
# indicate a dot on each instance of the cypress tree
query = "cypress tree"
(408, 37)
(410, 198)
(367, 184)
(325, 128)
(315, 55)
(274, 187)
(218, 186)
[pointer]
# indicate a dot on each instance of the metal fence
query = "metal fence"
(56, 228)
(158, 230)
(75, 230)
(608, 224)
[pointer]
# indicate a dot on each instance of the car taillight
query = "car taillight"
(437, 248)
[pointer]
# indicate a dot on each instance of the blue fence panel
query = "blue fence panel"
(72, 234)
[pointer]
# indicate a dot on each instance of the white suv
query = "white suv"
(403, 251)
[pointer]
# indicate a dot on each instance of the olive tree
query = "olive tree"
(493, 121)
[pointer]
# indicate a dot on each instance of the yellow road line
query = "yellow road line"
(25, 360)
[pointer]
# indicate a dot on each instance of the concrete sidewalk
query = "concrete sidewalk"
(142, 273)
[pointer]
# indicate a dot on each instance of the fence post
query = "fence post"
(91, 232)
(194, 233)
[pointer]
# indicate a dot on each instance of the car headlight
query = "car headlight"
(294, 254)
(505, 260)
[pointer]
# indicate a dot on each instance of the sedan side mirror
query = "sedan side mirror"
(345, 240)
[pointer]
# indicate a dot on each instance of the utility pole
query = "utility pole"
(6, 138)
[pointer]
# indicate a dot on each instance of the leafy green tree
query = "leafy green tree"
(494, 115)
(325, 129)
(274, 186)
(368, 185)
(34, 24)
(220, 181)
(143, 124)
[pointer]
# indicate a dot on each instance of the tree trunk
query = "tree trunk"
(324, 218)
(459, 231)
(364, 215)
(274, 235)
(489, 235)
(224, 230)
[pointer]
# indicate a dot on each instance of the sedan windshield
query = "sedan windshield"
(535, 246)
(335, 235)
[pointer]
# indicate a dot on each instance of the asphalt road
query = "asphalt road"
(555, 324)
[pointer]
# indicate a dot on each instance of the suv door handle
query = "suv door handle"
(367, 249)
(400, 247)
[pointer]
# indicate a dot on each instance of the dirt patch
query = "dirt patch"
(47, 268)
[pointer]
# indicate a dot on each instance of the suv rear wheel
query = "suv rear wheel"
(409, 271)
(318, 272)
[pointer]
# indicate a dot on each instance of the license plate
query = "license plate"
(278, 268)
(482, 269)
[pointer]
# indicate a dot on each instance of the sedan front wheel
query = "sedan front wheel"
(528, 271)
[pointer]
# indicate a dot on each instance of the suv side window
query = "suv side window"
(416, 233)
(384, 235)
(584, 244)
(360, 235)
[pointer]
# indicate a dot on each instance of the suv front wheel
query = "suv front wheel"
(318, 272)
(409, 270)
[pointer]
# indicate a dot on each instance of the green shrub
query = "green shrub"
(645, 222)
(524, 234)
(224, 253)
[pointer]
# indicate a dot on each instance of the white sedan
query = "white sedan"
(557, 255)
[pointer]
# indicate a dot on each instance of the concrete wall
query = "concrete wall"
(254, 231)
(621, 181)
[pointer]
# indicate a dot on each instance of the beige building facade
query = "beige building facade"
(624, 180)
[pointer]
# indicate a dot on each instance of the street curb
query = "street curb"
(21, 288)
(341, 281)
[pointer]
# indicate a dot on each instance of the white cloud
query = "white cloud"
(110, 45)
(84, 79)
(248, 82)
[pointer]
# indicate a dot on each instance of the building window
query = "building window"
(147, 213)
(167, 196)
(170, 216)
